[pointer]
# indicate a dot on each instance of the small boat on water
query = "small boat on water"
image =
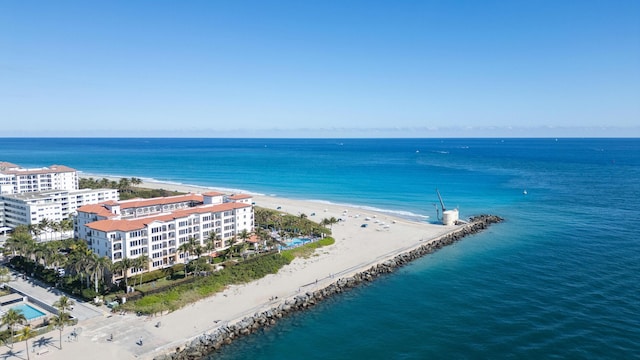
(524, 192)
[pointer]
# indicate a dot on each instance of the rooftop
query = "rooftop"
(136, 203)
(140, 223)
(13, 169)
(49, 193)
(239, 196)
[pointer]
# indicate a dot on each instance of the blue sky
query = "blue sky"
(320, 68)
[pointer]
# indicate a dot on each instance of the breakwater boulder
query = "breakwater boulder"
(225, 334)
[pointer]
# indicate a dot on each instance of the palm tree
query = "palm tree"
(63, 304)
(44, 225)
(81, 261)
(197, 250)
(124, 185)
(34, 229)
(84, 264)
(5, 274)
(135, 181)
(38, 252)
(99, 266)
(59, 321)
(55, 228)
(142, 262)
(124, 265)
(49, 252)
(244, 235)
(28, 250)
(332, 221)
(187, 248)
(11, 318)
(66, 225)
(212, 240)
(232, 241)
(57, 260)
(19, 242)
(25, 334)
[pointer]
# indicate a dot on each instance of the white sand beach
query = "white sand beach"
(356, 248)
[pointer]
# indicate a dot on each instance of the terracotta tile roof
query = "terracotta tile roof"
(140, 223)
(4, 165)
(239, 196)
(97, 209)
(136, 203)
(61, 168)
(213, 193)
(115, 225)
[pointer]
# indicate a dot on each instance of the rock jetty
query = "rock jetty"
(211, 341)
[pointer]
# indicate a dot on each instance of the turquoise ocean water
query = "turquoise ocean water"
(560, 278)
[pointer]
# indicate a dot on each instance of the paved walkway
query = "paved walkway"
(48, 295)
(99, 333)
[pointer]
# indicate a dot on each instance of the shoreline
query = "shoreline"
(152, 183)
(356, 250)
(212, 341)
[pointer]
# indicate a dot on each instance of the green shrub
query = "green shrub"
(201, 264)
(183, 291)
(178, 267)
(151, 276)
(326, 241)
(288, 255)
(89, 294)
(200, 287)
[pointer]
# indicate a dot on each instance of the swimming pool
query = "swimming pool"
(297, 242)
(29, 312)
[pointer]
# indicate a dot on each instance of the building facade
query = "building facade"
(30, 208)
(16, 180)
(158, 227)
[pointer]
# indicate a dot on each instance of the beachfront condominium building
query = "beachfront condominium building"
(158, 227)
(31, 208)
(16, 180)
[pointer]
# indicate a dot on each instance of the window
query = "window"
(135, 243)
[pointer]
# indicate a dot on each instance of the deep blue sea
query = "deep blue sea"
(560, 278)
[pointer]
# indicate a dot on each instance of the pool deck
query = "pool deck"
(47, 295)
(96, 325)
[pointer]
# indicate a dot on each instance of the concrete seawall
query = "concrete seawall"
(209, 342)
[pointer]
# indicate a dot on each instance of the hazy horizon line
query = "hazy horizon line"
(345, 132)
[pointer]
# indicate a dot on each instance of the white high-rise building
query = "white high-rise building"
(157, 227)
(28, 196)
(16, 180)
(31, 208)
